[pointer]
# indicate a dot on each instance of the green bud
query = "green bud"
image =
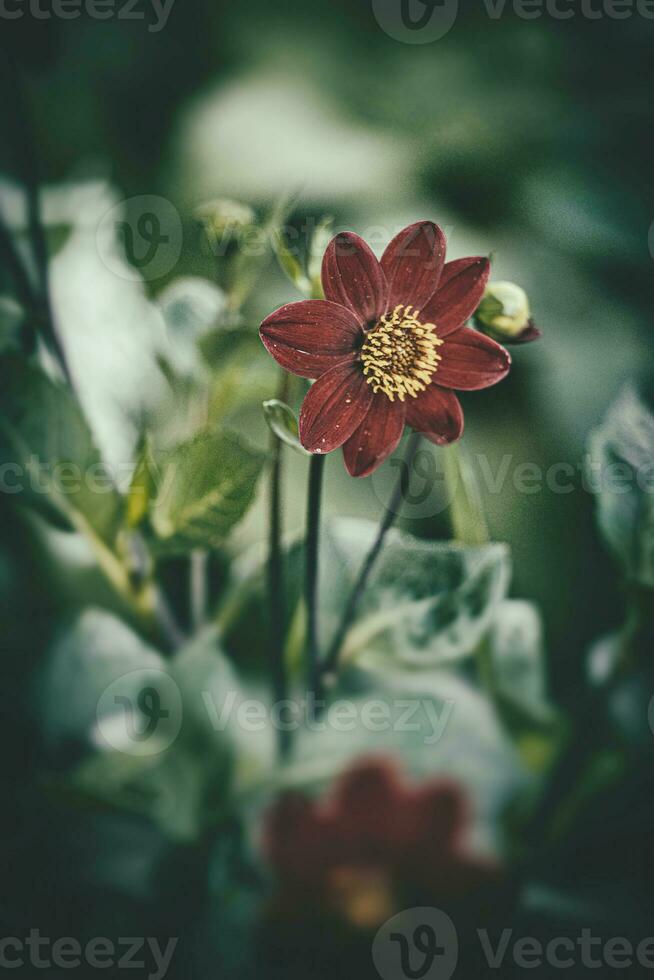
(224, 218)
(504, 313)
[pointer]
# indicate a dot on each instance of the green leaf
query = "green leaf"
(12, 316)
(621, 473)
(57, 236)
(143, 488)
(245, 381)
(289, 264)
(219, 346)
(48, 449)
(321, 237)
(207, 485)
(282, 421)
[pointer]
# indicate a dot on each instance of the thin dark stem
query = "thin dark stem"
(389, 517)
(36, 297)
(276, 595)
(44, 312)
(316, 470)
(14, 264)
(198, 588)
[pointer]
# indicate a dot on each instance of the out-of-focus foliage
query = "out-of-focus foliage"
(621, 471)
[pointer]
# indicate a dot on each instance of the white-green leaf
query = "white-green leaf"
(282, 421)
(160, 735)
(426, 603)
(206, 487)
(516, 648)
(621, 472)
(191, 307)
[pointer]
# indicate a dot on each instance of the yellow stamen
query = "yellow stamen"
(400, 355)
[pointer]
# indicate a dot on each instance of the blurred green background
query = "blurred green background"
(524, 138)
(529, 139)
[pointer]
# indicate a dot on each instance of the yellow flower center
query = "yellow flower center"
(400, 355)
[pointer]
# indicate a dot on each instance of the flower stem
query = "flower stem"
(198, 586)
(466, 510)
(275, 570)
(388, 519)
(316, 470)
(469, 527)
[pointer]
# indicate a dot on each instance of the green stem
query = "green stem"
(198, 587)
(469, 527)
(388, 519)
(275, 571)
(316, 470)
(466, 509)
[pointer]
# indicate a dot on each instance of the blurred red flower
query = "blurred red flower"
(373, 841)
(387, 345)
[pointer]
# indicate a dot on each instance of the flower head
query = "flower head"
(388, 345)
(504, 314)
(373, 843)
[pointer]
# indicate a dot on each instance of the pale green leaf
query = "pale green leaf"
(621, 473)
(143, 488)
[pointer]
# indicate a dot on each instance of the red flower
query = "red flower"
(374, 841)
(387, 345)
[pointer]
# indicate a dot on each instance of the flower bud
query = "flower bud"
(504, 314)
(223, 218)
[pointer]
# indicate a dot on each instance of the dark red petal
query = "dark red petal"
(376, 437)
(441, 815)
(333, 408)
(413, 263)
(352, 276)
(296, 837)
(310, 337)
(367, 807)
(471, 361)
(458, 295)
(437, 414)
